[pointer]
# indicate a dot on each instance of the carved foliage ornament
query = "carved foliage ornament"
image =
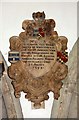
(38, 56)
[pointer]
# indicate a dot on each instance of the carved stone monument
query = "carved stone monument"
(38, 56)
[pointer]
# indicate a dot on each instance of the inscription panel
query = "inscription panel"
(39, 55)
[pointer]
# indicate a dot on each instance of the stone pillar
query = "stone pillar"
(66, 105)
(11, 107)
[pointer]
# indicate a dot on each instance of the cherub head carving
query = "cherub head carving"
(38, 16)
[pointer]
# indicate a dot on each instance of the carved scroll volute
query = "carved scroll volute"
(38, 56)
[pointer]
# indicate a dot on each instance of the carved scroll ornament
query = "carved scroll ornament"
(38, 56)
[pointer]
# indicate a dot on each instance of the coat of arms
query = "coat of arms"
(38, 56)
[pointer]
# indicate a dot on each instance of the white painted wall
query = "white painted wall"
(11, 17)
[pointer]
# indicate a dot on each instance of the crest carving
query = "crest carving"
(38, 56)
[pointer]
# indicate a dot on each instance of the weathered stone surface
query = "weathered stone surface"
(10, 105)
(4, 110)
(67, 105)
(38, 56)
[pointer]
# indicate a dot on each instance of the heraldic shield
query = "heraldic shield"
(38, 56)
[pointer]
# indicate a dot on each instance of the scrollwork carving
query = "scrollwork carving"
(38, 56)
